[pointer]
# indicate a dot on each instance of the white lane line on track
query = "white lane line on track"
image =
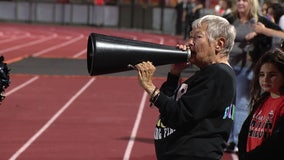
(58, 46)
(130, 144)
(84, 51)
(13, 38)
(28, 44)
(53, 118)
(21, 86)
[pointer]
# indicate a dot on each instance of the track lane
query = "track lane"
(30, 107)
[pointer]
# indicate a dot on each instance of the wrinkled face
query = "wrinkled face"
(243, 6)
(203, 52)
(270, 78)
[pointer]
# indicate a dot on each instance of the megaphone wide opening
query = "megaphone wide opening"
(90, 54)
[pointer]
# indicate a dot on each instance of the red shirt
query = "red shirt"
(264, 120)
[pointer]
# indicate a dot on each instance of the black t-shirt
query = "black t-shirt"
(195, 119)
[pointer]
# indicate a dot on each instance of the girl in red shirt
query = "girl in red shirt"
(262, 134)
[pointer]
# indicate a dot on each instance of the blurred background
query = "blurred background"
(146, 15)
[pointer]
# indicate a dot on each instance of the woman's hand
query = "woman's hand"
(146, 71)
(259, 27)
(250, 36)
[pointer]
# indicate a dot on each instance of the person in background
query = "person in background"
(276, 11)
(4, 78)
(264, 9)
(180, 9)
(248, 47)
(223, 7)
(196, 113)
(192, 12)
(262, 133)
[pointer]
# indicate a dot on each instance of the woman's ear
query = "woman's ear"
(220, 44)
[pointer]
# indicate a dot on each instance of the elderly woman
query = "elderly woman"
(196, 114)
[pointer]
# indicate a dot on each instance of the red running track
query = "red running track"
(55, 117)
